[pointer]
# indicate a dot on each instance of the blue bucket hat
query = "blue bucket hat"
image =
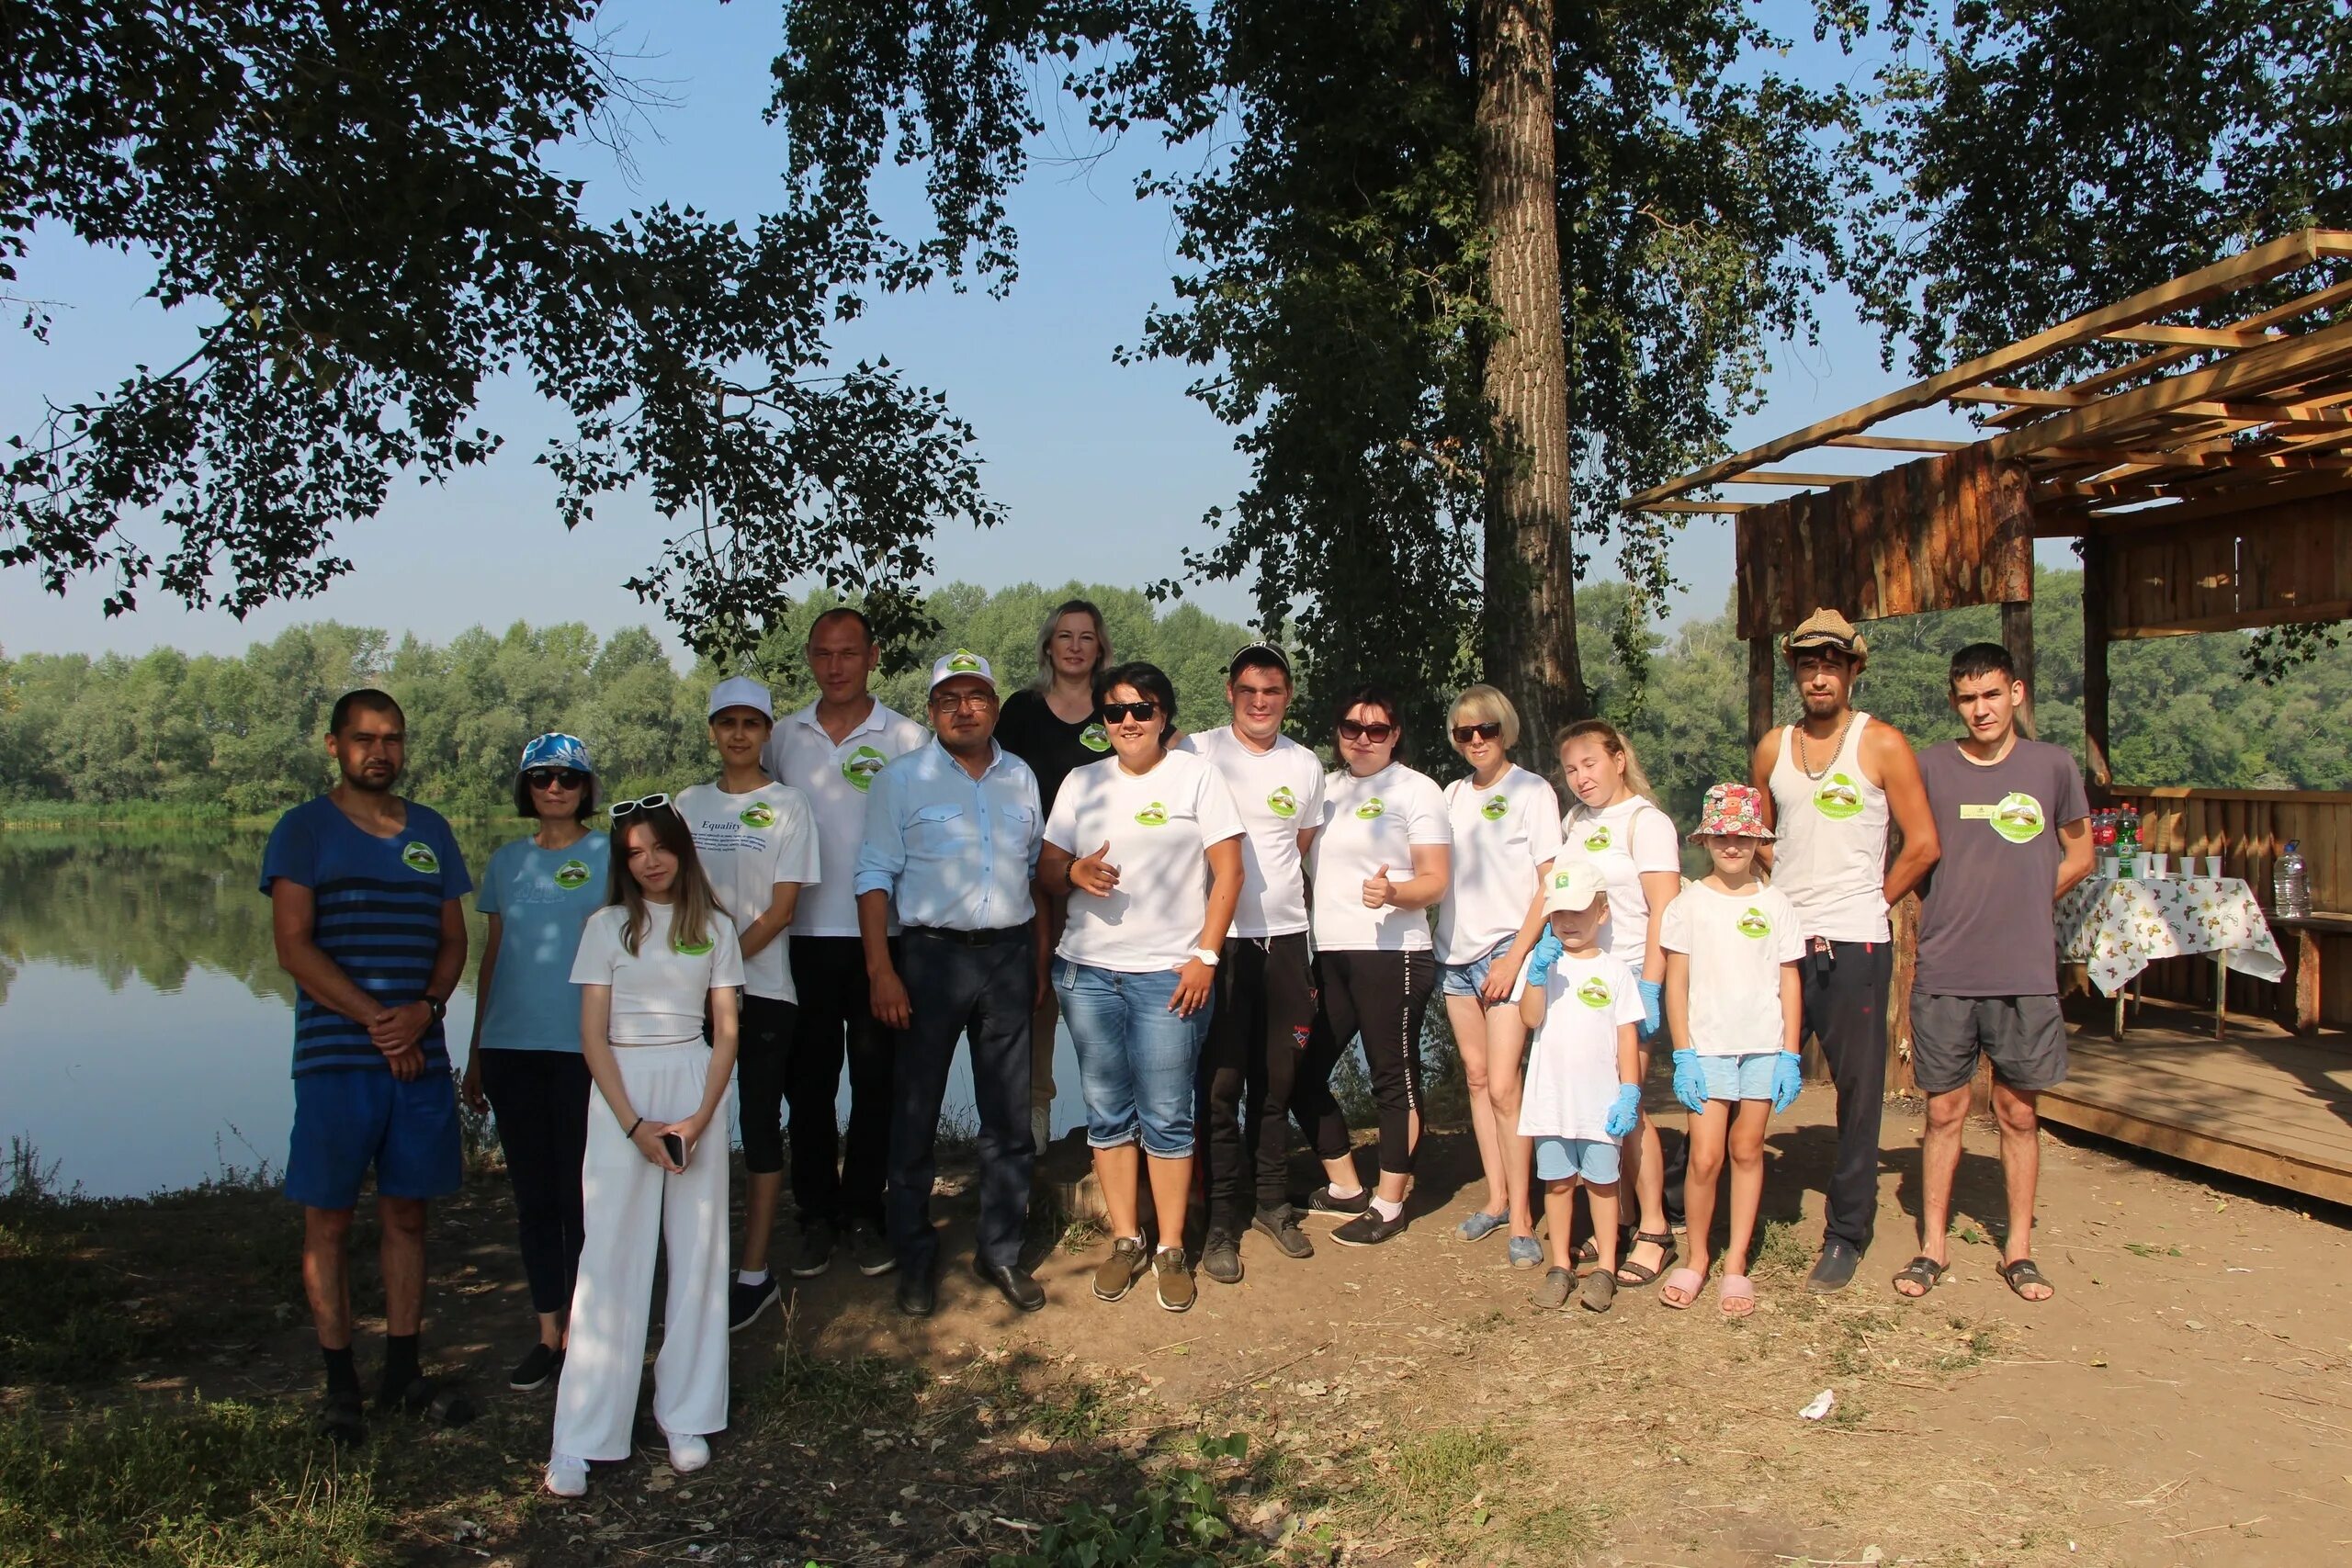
(557, 750)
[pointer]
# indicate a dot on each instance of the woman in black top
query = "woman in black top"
(1051, 725)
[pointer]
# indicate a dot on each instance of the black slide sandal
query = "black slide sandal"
(2023, 1273)
(1923, 1271)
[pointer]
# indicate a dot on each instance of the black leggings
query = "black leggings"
(540, 1098)
(1383, 997)
(763, 1057)
(1265, 1008)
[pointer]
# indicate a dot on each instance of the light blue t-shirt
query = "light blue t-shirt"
(543, 898)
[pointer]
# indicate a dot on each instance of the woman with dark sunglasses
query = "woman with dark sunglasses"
(525, 1066)
(1383, 856)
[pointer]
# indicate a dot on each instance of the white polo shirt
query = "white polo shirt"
(834, 778)
(1279, 793)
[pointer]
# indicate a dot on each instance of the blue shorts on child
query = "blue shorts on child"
(1594, 1159)
(1745, 1077)
(346, 1121)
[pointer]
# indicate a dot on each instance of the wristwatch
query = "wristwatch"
(440, 1009)
(1207, 955)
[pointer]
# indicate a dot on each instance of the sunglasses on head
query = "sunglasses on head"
(1378, 734)
(1119, 713)
(621, 808)
(549, 778)
(1465, 733)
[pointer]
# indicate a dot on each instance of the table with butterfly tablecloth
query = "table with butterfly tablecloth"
(2118, 926)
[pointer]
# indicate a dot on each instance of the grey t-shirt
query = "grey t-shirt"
(1987, 925)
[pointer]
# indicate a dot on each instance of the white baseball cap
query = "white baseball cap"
(962, 661)
(1572, 887)
(741, 691)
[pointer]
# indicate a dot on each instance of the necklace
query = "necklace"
(1804, 748)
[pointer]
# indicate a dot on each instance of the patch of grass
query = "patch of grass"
(1974, 1346)
(1782, 1249)
(842, 1397)
(204, 1484)
(1082, 1236)
(1565, 1530)
(1441, 1470)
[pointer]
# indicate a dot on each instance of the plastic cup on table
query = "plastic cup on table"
(2213, 867)
(2109, 866)
(2156, 864)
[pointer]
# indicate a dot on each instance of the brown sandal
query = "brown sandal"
(1639, 1274)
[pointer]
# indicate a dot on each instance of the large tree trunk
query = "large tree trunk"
(1529, 641)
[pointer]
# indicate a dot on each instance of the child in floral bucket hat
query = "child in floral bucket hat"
(1734, 1003)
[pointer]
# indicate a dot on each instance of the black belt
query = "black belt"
(971, 939)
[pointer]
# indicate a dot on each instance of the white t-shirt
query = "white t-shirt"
(747, 844)
(1737, 945)
(1572, 1064)
(834, 779)
(1279, 794)
(1369, 823)
(1159, 826)
(659, 992)
(1622, 841)
(1503, 838)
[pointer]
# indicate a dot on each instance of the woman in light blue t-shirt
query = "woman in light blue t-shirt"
(525, 1064)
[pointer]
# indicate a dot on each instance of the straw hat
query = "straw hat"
(1828, 629)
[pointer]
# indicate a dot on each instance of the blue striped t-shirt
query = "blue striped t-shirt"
(377, 912)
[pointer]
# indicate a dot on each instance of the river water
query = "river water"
(145, 1028)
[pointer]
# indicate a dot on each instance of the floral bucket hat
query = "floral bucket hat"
(1734, 810)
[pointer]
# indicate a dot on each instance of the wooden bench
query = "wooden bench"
(2299, 987)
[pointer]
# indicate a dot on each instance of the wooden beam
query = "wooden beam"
(1897, 444)
(2160, 336)
(2192, 459)
(2095, 700)
(2269, 414)
(2017, 636)
(2285, 616)
(1784, 477)
(2026, 397)
(1763, 669)
(1722, 506)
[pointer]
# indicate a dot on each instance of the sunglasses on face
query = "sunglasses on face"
(1465, 733)
(621, 808)
(551, 778)
(1378, 734)
(1119, 713)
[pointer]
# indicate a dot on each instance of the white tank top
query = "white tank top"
(1831, 858)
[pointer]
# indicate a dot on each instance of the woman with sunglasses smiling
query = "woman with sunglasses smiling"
(1505, 825)
(537, 893)
(1383, 856)
(1147, 847)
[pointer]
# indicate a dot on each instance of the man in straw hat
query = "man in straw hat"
(1836, 785)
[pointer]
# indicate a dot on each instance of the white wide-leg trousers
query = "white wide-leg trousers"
(631, 1204)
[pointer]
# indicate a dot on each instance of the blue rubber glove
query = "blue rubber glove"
(1788, 1077)
(1653, 1007)
(1624, 1111)
(1547, 951)
(1689, 1081)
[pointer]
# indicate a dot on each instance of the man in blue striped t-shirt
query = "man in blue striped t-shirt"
(364, 889)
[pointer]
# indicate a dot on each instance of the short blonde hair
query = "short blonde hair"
(1483, 704)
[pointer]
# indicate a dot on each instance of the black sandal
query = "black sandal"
(1923, 1271)
(1642, 1273)
(2023, 1273)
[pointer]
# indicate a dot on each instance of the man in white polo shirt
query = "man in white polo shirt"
(830, 752)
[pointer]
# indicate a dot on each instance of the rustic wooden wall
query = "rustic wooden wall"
(2289, 562)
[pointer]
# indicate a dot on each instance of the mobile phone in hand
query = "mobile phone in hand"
(674, 1146)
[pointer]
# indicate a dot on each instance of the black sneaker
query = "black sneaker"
(869, 1249)
(413, 1397)
(1323, 1201)
(1281, 1226)
(815, 1253)
(343, 1417)
(1368, 1229)
(539, 1364)
(1221, 1258)
(746, 1302)
(1835, 1270)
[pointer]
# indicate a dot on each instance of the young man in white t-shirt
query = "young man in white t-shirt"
(1265, 998)
(757, 842)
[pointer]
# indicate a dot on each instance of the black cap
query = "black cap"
(1258, 653)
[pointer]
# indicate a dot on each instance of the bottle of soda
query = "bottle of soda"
(2127, 844)
(2291, 887)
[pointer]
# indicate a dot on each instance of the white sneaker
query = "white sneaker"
(567, 1477)
(688, 1452)
(1041, 1127)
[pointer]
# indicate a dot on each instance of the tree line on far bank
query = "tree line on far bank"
(239, 735)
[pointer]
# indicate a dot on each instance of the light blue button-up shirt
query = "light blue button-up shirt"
(951, 850)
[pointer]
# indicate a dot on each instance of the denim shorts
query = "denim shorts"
(1745, 1077)
(1136, 1059)
(1594, 1159)
(1465, 980)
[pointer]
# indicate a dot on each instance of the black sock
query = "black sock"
(342, 1376)
(399, 1363)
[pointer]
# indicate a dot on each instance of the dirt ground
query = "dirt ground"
(2184, 1399)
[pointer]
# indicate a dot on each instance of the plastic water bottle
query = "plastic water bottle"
(2127, 845)
(2290, 883)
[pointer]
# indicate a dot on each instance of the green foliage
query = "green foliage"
(1177, 1520)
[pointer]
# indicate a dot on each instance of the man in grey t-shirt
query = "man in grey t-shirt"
(2015, 827)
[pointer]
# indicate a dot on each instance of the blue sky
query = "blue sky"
(1105, 470)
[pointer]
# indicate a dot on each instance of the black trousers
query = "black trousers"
(837, 1179)
(1383, 997)
(1264, 1017)
(1845, 1006)
(953, 988)
(540, 1098)
(762, 1053)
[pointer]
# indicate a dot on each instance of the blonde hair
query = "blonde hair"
(693, 910)
(1483, 704)
(1086, 607)
(1612, 741)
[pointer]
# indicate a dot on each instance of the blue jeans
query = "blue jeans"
(1136, 1059)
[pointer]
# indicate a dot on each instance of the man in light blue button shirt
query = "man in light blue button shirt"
(952, 830)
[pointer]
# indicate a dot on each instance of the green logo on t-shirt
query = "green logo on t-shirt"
(860, 766)
(1370, 808)
(759, 814)
(1597, 840)
(417, 857)
(572, 874)
(1094, 738)
(1594, 993)
(1153, 815)
(1495, 809)
(1753, 924)
(2018, 817)
(694, 949)
(1283, 804)
(1838, 798)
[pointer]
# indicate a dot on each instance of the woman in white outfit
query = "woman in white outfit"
(650, 963)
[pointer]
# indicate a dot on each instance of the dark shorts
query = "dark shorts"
(2024, 1037)
(346, 1121)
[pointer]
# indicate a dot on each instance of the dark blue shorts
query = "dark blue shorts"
(346, 1121)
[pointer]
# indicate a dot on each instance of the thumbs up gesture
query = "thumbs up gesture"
(1095, 873)
(1378, 891)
